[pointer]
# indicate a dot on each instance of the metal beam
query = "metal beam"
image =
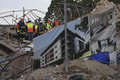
(31, 16)
(43, 12)
(17, 67)
(5, 20)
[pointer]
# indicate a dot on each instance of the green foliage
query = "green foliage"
(57, 7)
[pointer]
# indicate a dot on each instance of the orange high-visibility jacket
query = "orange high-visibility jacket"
(56, 23)
(17, 28)
(30, 27)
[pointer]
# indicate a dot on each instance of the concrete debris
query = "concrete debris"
(84, 70)
(102, 4)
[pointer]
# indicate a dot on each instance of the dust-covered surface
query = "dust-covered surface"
(89, 70)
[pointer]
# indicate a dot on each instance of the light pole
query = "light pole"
(65, 27)
(23, 13)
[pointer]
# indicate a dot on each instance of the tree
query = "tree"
(75, 9)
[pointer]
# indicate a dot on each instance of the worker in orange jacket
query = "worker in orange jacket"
(30, 29)
(56, 23)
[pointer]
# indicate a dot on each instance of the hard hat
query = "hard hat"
(29, 20)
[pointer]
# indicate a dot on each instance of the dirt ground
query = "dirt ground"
(89, 70)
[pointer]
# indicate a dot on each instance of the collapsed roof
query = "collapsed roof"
(42, 42)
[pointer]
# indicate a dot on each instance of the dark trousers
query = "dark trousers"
(30, 36)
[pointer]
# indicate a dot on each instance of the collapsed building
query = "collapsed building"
(86, 36)
(103, 29)
(50, 47)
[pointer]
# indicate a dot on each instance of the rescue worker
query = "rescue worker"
(56, 23)
(36, 28)
(30, 30)
(47, 26)
(44, 26)
(18, 31)
(41, 28)
(52, 23)
(22, 29)
(43, 22)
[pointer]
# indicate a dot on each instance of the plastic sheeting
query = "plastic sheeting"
(102, 57)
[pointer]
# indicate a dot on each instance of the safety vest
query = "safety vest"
(48, 26)
(29, 27)
(43, 22)
(36, 28)
(56, 23)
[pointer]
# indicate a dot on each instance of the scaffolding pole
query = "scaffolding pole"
(65, 27)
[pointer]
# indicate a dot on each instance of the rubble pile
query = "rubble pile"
(102, 4)
(89, 70)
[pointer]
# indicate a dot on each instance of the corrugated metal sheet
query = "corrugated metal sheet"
(42, 42)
